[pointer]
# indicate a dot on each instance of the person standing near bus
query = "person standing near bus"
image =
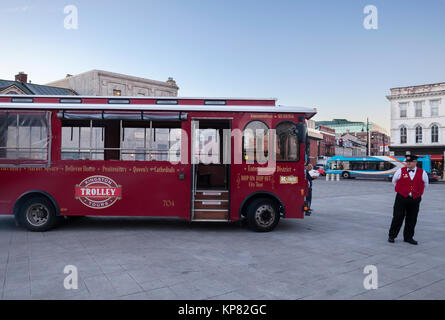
(309, 179)
(410, 183)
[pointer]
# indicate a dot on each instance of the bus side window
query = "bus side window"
(256, 141)
(82, 140)
(287, 142)
(151, 141)
(24, 135)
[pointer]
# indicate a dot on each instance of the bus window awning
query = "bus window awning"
(137, 116)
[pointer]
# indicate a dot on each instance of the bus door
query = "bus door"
(211, 152)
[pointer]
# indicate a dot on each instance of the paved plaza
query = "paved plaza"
(320, 257)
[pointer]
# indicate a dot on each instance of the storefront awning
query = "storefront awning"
(436, 157)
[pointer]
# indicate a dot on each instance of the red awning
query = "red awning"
(436, 157)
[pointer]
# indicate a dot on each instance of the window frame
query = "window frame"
(403, 134)
(434, 134)
(28, 162)
(404, 109)
(436, 108)
(417, 103)
(243, 142)
(276, 144)
(149, 139)
(419, 134)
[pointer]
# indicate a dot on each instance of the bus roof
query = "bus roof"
(149, 104)
(375, 158)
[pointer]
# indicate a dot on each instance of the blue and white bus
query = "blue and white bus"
(371, 167)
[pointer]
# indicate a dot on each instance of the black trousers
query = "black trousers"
(404, 209)
(309, 197)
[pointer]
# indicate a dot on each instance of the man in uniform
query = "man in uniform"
(309, 178)
(410, 182)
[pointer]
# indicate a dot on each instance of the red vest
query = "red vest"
(405, 186)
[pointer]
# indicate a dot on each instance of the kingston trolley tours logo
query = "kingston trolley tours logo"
(98, 192)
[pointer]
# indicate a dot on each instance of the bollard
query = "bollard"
(338, 176)
(327, 176)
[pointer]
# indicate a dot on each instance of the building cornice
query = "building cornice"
(416, 95)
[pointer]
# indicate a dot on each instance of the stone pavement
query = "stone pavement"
(320, 257)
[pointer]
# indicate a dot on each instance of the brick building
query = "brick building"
(326, 147)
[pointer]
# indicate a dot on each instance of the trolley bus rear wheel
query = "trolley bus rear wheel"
(346, 175)
(263, 215)
(37, 214)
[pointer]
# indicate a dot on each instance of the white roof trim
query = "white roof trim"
(142, 107)
(142, 97)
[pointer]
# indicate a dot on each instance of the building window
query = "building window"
(256, 142)
(117, 92)
(434, 134)
(403, 135)
(403, 107)
(24, 135)
(418, 134)
(287, 142)
(418, 108)
(434, 107)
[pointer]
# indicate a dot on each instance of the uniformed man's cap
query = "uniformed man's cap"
(410, 157)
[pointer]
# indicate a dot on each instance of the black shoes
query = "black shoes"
(308, 213)
(412, 241)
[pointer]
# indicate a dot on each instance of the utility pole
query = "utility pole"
(368, 142)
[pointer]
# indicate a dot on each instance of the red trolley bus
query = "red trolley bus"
(198, 159)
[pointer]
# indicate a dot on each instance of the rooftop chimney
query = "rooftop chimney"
(22, 77)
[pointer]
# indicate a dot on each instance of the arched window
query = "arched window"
(403, 135)
(418, 134)
(256, 142)
(287, 142)
(434, 133)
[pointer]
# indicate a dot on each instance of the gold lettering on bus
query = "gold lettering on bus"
(114, 169)
(140, 170)
(163, 169)
(284, 169)
(285, 116)
(10, 169)
(261, 116)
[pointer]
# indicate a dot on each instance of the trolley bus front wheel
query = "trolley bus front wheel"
(262, 215)
(346, 175)
(37, 214)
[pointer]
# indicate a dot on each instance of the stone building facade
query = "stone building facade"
(105, 83)
(418, 121)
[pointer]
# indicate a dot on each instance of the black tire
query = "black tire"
(263, 215)
(346, 175)
(37, 214)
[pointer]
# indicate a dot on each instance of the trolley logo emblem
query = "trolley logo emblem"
(98, 192)
(288, 179)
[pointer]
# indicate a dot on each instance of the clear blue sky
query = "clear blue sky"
(310, 53)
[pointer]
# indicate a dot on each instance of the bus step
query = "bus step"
(211, 214)
(212, 195)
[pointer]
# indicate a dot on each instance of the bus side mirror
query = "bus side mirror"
(301, 132)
